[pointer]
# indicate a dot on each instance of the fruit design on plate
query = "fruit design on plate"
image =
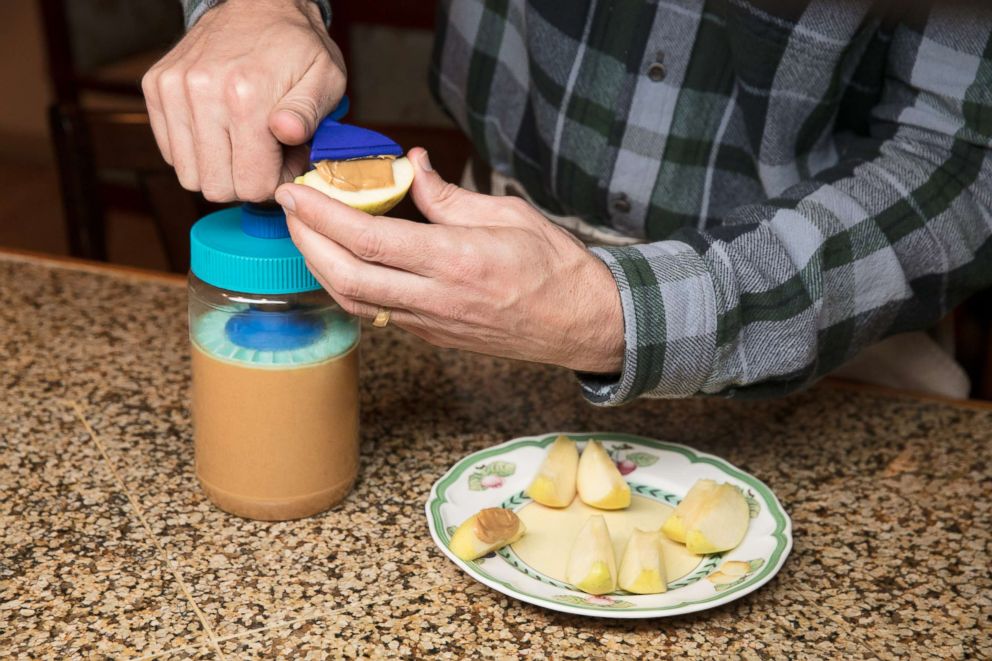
(373, 185)
(592, 566)
(486, 531)
(630, 461)
(734, 572)
(491, 475)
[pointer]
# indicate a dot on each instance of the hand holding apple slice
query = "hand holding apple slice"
(487, 531)
(554, 485)
(592, 565)
(642, 569)
(599, 482)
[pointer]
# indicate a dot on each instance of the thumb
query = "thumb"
(442, 202)
(296, 115)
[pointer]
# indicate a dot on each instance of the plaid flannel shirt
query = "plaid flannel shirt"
(807, 177)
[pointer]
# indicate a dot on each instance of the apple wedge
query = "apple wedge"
(592, 566)
(720, 523)
(554, 485)
(486, 531)
(642, 569)
(372, 200)
(599, 482)
(674, 526)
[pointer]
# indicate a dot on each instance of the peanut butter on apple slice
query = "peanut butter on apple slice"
(358, 174)
(486, 531)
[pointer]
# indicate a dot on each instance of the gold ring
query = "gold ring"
(381, 318)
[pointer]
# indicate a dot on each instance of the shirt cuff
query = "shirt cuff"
(194, 9)
(670, 323)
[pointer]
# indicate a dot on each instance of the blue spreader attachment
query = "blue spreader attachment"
(264, 222)
(334, 141)
(274, 331)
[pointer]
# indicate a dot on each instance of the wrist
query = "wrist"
(602, 323)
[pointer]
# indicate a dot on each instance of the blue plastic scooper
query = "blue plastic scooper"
(334, 141)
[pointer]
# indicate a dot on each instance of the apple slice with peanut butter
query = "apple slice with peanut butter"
(486, 531)
(373, 185)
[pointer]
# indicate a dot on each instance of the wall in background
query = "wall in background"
(24, 79)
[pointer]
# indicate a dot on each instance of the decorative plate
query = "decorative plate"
(658, 471)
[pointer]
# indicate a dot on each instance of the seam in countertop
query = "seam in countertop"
(141, 518)
(315, 614)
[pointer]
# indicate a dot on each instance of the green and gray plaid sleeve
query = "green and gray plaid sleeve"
(194, 9)
(887, 240)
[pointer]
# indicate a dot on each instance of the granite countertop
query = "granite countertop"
(109, 549)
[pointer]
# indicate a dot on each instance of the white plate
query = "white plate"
(663, 471)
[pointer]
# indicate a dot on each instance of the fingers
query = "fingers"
(211, 142)
(295, 117)
(401, 244)
(172, 93)
(348, 279)
(256, 157)
(149, 87)
(445, 203)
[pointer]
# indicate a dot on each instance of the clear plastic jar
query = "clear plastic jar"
(275, 399)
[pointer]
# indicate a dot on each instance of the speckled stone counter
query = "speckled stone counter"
(108, 548)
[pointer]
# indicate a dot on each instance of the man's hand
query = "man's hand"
(491, 274)
(233, 104)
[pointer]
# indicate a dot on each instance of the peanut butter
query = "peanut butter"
(358, 174)
(495, 524)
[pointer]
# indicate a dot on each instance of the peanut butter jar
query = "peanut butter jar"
(275, 372)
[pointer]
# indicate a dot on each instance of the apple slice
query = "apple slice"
(674, 526)
(554, 484)
(642, 569)
(600, 483)
(487, 531)
(720, 523)
(592, 566)
(374, 201)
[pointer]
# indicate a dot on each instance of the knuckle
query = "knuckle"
(516, 207)
(251, 188)
(170, 81)
(368, 245)
(253, 193)
(447, 194)
(199, 81)
(460, 313)
(149, 82)
(350, 306)
(347, 285)
(215, 193)
(465, 262)
(241, 93)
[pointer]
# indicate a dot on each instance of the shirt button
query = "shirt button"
(657, 71)
(621, 204)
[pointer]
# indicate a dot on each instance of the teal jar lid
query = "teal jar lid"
(247, 249)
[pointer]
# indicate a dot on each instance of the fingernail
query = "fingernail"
(286, 200)
(425, 163)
